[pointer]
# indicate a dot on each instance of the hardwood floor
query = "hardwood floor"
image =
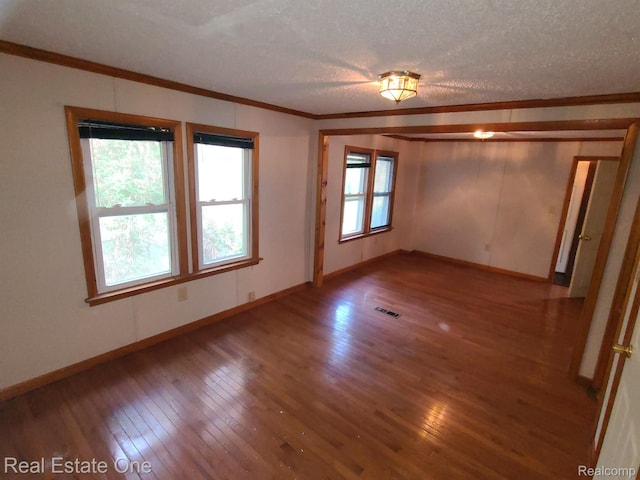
(469, 382)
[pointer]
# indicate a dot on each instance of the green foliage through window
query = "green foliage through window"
(127, 172)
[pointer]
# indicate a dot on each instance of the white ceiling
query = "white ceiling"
(324, 56)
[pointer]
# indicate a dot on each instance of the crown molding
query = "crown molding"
(19, 50)
(632, 97)
(88, 66)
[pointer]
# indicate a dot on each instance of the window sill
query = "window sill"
(167, 282)
(365, 235)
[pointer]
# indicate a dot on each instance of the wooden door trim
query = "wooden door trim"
(612, 330)
(596, 443)
(615, 203)
(321, 207)
(563, 216)
(565, 208)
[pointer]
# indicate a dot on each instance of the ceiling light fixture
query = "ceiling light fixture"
(398, 86)
(483, 135)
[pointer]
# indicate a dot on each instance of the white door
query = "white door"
(573, 211)
(592, 227)
(620, 454)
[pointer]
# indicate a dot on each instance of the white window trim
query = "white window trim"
(96, 213)
(247, 213)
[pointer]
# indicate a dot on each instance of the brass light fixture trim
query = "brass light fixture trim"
(399, 85)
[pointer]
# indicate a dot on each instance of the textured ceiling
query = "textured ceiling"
(324, 56)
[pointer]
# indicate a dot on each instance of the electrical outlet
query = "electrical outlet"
(487, 247)
(252, 296)
(183, 294)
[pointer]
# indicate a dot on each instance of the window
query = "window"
(356, 183)
(127, 178)
(383, 181)
(368, 187)
(131, 200)
(224, 176)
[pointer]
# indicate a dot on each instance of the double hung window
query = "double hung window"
(131, 198)
(126, 175)
(223, 169)
(367, 194)
(383, 182)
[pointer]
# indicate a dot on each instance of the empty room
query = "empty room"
(324, 240)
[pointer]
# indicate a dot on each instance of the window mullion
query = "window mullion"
(369, 194)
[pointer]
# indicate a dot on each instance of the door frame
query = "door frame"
(567, 200)
(591, 299)
(632, 254)
(616, 314)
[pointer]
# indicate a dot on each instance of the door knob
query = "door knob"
(628, 351)
(586, 238)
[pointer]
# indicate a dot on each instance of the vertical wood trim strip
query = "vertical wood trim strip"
(392, 202)
(368, 199)
(193, 206)
(181, 207)
(344, 180)
(80, 187)
(321, 207)
(255, 198)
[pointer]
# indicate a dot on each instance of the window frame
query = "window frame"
(96, 291)
(369, 192)
(183, 188)
(251, 185)
(390, 194)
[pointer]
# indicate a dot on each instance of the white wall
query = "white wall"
(495, 203)
(46, 325)
(341, 255)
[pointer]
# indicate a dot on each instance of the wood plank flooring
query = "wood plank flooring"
(469, 382)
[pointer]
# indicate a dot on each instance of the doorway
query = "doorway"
(576, 210)
(590, 190)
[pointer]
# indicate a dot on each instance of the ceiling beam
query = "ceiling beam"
(541, 126)
(522, 139)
